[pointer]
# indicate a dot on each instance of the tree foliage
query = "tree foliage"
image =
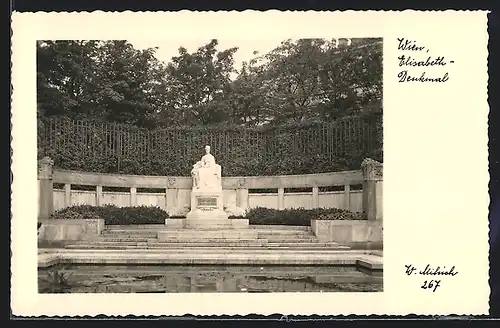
(103, 80)
(298, 81)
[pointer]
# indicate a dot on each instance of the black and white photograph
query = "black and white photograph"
(271, 163)
(210, 166)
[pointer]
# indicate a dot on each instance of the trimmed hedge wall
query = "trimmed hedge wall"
(315, 147)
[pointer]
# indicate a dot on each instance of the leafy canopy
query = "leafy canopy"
(301, 80)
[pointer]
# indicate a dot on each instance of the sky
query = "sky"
(169, 48)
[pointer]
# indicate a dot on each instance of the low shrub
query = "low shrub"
(114, 215)
(298, 217)
(339, 214)
(294, 217)
(69, 214)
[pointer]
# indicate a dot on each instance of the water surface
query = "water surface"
(204, 278)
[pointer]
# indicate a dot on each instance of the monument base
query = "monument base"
(207, 212)
(206, 223)
(207, 204)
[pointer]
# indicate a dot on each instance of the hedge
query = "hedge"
(298, 217)
(292, 149)
(114, 215)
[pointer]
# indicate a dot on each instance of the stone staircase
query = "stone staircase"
(157, 237)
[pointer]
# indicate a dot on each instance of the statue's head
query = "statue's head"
(207, 149)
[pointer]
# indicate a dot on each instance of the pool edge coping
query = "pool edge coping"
(372, 260)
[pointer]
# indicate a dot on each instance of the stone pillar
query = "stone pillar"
(171, 196)
(67, 195)
(98, 195)
(315, 195)
(133, 196)
(242, 195)
(193, 284)
(372, 188)
(347, 197)
(281, 198)
(46, 191)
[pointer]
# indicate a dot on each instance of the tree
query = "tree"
(64, 76)
(351, 79)
(196, 85)
(108, 80)
(292, 77)
(317, 79)
(127, 83)
(247, 96)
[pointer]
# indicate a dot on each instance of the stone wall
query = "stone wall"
(354, 233)
(174, 195)
(66, 230)
(366, 234)
(237, 190)
(329, 199)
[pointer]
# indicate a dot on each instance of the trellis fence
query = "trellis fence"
(117, 148)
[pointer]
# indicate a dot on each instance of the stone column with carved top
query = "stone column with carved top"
(46, 196)
(242, 196)
(172, 194)
(372, 188)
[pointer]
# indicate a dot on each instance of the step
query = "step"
(124, 239)
(203, 242)
(149, 234)
(284, 232)
(234, 234)
(280, 227)
(302, 244)
(292, 240)
(285, 235)
(198, 247)
(248, 244)
(211, 240)
(134, 226)
(107, 242)
(162, 226)
(207, 234)
(173, 245)
(131, 230)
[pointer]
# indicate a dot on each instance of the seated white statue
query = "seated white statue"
(206, 173)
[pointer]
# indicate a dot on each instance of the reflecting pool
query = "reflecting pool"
(204, 278)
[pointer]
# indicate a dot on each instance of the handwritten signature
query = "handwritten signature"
(432, 284)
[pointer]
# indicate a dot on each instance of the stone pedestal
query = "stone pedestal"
(207, 212)
(207, 204)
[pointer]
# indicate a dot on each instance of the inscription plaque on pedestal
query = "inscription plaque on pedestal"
(206, 203)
